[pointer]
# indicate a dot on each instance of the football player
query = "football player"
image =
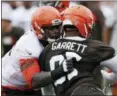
(86, 55)
(20, 65)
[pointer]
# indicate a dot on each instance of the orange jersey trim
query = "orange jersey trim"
(29, 68)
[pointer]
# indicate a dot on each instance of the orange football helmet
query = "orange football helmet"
(44, 16)
(80, 17)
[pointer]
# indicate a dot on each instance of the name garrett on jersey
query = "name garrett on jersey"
(73, 46)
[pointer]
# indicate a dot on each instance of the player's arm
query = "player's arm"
(29, 68)
(33, 75)
(44, 78)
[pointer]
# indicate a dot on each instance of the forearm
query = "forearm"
(41, 79)
(44, 78)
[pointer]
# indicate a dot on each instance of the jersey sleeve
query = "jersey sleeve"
(29, 67)
(29, 49)
(30, 45)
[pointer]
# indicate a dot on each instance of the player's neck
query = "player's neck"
(68, 34)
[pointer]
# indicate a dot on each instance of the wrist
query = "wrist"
(57, 73)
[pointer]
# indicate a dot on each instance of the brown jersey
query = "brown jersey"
(86, 55)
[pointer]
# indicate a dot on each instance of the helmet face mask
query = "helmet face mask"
(46, 22)
(52, 32)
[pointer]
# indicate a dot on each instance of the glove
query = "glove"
(62, 70)
(67, 66)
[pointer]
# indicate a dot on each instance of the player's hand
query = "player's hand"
(62, 70)
(67, 65)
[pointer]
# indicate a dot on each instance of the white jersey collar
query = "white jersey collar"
(75, 38)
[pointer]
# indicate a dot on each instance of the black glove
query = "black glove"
(62, 70)
(67, 66)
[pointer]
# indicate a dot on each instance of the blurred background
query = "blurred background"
(16, 20)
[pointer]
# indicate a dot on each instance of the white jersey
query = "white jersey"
(28, 46)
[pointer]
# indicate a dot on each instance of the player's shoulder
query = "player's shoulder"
(105, 51)
(92, 41)
(25, 39)
(96, 43)
(100, 44)
(30, 44)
